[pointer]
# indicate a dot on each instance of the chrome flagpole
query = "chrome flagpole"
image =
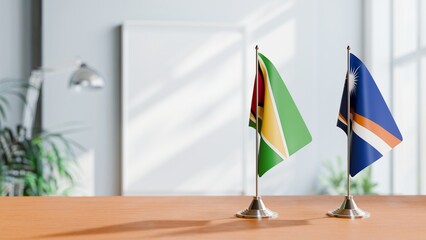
(257, 121)
(348, 209)
(257, 208)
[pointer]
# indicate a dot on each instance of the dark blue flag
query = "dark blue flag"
(373, 129)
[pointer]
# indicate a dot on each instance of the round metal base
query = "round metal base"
(257, 209)
(348, 209)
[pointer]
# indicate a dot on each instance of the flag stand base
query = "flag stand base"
(349, 209)
(257, 209)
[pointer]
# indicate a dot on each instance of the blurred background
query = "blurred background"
(172, 116)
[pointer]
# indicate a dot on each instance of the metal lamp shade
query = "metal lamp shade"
(86, 77)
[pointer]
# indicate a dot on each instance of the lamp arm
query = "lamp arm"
(32, 96)
(83, 76)
(46, 72)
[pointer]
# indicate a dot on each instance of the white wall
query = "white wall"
(15, 48)
(305, 39)
(394, 43)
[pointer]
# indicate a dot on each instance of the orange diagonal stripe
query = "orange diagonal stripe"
(343, 119)
(390, 139)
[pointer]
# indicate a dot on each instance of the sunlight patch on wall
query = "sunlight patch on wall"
(216, 44)
(279, 44)
(266, 13)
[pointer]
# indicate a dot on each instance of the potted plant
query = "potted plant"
(32, 166)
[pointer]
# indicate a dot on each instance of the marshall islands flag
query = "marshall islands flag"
(281, 127)
(373, 129)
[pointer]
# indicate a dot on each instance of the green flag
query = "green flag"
(281, 127)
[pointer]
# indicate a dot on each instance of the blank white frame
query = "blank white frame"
(139, 26)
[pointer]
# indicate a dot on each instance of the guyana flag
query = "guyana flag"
(281, 127)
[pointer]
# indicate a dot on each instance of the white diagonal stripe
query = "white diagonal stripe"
(273, 147)
(371, 138)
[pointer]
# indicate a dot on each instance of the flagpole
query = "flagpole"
(257, 208)
(257, 122)
(348, 208)
(348, 120)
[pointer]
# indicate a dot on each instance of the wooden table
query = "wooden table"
(301, 217)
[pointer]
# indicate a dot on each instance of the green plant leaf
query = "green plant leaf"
(45, 160)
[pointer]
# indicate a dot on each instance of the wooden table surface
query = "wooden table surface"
(300, 217)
